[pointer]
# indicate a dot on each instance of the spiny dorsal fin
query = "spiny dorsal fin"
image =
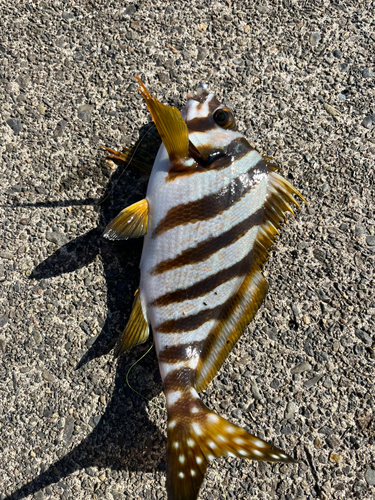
(130, 223)
(246, 302)
(195, 441)
(136, 331)
(170, 124)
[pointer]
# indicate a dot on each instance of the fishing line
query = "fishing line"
(132, 388)
(127, 164)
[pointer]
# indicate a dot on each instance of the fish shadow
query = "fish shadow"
(124, 437)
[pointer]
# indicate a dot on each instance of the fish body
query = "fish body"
(213, 209)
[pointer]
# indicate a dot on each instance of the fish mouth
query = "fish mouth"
(200, 95)
(206, 158)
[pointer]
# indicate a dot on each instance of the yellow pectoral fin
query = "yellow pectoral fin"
(136, 331)
(130, 223)
(170, 124)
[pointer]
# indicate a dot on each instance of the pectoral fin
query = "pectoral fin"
(130, 223)
(136, 331)
(170, 124)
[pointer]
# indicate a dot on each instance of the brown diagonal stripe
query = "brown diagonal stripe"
(179, 379)
(182, 352)
(208, 247)
(207, 285)
(194, 321)
(211, 205)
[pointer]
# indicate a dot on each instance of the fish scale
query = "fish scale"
(211, 214)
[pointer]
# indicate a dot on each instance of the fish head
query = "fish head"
(211, 126)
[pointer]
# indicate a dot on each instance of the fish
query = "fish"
(212, 211)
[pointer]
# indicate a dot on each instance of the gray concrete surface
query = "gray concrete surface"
(300, 78)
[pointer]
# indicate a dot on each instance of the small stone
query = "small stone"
(314, 38)
(295, 310)
(6, 255)
(370, 240)
(343, 67)
(37, 337)
(335, 457)
(368, 73)
(300, 368)
(312, 381)
(317, 442)
(236, 413)
(275, 384)
(49, 377)
(59, 129)
(286, 430)
(367, 122)
(41, 109)
(341, 97)
(370, 476)
(163, 77)
(15, 124)
(32, 454)
(202, 53)
(2, 343)
(290, 410)
(255, 390)
(59, 239)
(362, 335)
(85, 112)
(319, 254)
(328, 383)
(331, 110)
(337, 53)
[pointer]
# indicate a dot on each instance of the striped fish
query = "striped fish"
(211, 214)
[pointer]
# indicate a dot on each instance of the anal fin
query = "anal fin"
(137, 329)
(130, 222)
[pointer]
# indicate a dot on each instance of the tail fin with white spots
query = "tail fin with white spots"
(198, 436)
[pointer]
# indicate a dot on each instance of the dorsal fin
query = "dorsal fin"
(246, 302)
(170, 124)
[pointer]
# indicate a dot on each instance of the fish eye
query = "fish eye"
(224, 118)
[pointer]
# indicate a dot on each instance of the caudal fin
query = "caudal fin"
(195, 440)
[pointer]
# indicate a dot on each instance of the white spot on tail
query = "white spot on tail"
(181, 475)
(197, 429)
(243, 452)
(190, 442)
(230, 454)
(198, 460)
(181, 459)
(172, 424)
(258, 453)
(230, 429)
(194, 409)
(192, 472)
(276, 457)
(173, 397)
(210, 457)
(259, 443)
(221, 438)
(214, 419)
(211, 444)
(239, 440)
(176, 444)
